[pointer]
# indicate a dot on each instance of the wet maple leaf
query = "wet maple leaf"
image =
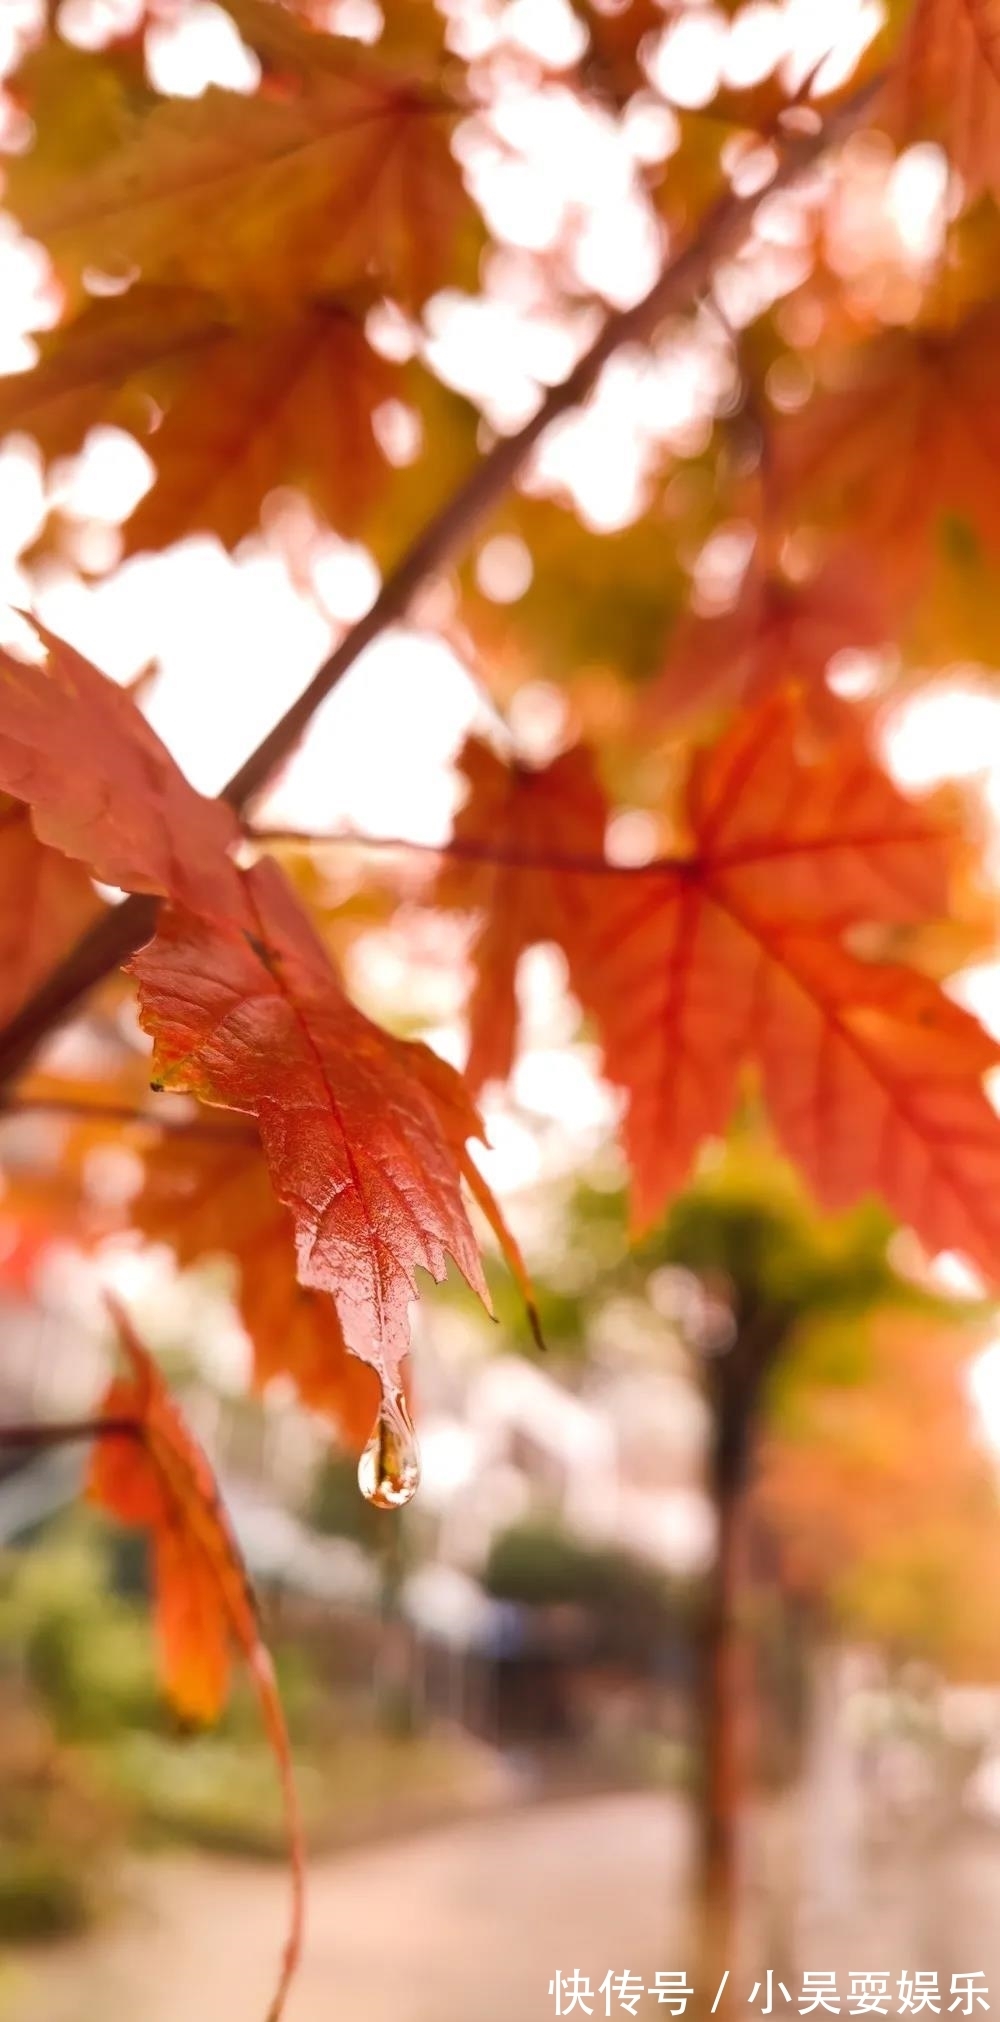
(102, 787)
(237, 408)
(499, 864)
(342, 181)
(945, 86)
(209, 1192)
(48, 900)
(364, 1134)
(205, 1609)
(906, 444)
(777, 632)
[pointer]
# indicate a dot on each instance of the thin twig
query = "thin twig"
(59, 1431)
(114, 936)
(448, 534)
(446, 537)
(465, 849)
(195, 1125)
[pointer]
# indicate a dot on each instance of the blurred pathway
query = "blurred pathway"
(462, 1925)
(469, 1923)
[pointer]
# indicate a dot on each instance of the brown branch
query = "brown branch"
(124, 1112)
(59, 1431)
(114, 936)
(445, 538)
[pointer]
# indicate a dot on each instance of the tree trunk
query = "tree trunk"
(717, 1880)
(722, 1695)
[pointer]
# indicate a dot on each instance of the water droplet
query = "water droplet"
(389, 1468)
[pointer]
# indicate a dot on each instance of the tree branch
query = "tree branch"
(56, 1432)
(117, 934)
(127, 1113)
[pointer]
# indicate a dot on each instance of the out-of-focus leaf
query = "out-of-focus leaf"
(161, 1480)
(778, 632)
(944, 85)
(594, 599)
(101, 786)
(46, 901)
(342, 183)
(516, 820)
(903, 446)
(228, 411)
(878, 1490)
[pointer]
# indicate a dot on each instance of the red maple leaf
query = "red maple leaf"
(47, 902)
(739, 951)
(777, 632)
(945, 86)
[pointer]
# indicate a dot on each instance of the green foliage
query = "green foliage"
(86, 1651)
(59, 1826)
(540, 1565)
(211, 1790)
(337, 1510)
(42, 1895)
(747, 1223)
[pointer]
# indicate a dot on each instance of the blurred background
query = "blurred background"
(656, 1675)
(534, 1712)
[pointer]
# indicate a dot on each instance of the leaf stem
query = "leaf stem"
(447, 535)
(467, 849)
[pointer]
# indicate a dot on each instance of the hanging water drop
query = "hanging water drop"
(389, 1468)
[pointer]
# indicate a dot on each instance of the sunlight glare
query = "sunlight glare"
(199, 48)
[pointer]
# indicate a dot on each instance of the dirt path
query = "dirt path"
(469, 1923)
(463, 1925)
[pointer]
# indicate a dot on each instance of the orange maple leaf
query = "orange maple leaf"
(908, 440)
(777, 632)
(513, 820)
(945, 86)
(341, 181)
(161, 1480)
(103, 788)
(365, 1135)
(48, 901)
(739, 951)
(230, 409)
